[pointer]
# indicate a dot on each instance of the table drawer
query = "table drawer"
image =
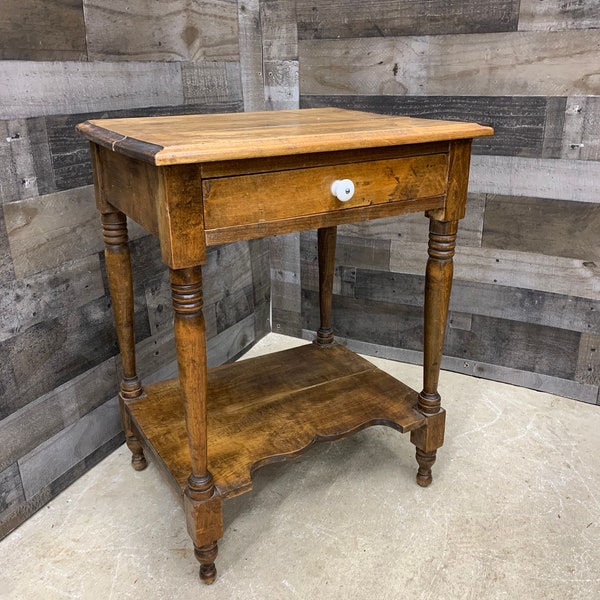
(275, 196)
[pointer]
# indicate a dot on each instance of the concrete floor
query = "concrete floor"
(514, 512)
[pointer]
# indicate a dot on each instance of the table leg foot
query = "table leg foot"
(206, 556)
(426, 460)
(138, 460)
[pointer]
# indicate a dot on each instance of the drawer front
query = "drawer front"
(276, 196)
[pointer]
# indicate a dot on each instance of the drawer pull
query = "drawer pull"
(342, 189)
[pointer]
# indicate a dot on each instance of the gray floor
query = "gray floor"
(513, 513)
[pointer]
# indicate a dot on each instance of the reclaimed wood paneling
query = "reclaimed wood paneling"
(214, 84)
(588, 363)
(414, 227)
(86, 87)
(279, 27)
(7, 273)
(490, 300)
(251, 54)
(11, 488)
(569, 229)
(357, 18)
(42, 30)
(523, 64)
(46, 463)
(11, 519)
(577, 180)
(559, 14)
(281, 85)
(507, 267)
(51, 413)
(61, 349)
(519, 122)
(170, 30)
(522, 346)
(48, 294)
(581, 135)
(49, 230)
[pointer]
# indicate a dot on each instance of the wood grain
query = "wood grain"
(569, 229)
(576, 180)
(86, 87)
(519, 122)
(357, 19)
(171, 30)
(281, 84)
(588, 364)
(11, 488)
(251, 55)
(42, 30)
(566, 276)
(581, 133)
(279, 29)
(328, 414)
(536, 63)
(557, 14)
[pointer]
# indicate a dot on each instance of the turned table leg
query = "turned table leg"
(201, 501)
(438, 283)
(118, 269)
(326, 237)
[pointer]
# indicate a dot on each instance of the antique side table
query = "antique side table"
(202, 180)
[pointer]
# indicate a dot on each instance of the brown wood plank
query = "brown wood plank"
(176, 30)
(360, 18)
(333, 395)
(537, 63)
(254, 199)
(42, 30)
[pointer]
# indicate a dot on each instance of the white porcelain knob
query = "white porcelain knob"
(342, 189)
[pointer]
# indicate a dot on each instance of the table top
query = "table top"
(185, 139)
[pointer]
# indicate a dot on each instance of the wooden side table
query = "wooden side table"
(202, 180)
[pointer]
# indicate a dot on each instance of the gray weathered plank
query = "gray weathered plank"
(210, 83)
(48, 88)
(52, 353)
(227, 270)
(18, 179)
(588, 362)
(535, 63)
(42, 30)
(281, 84)
(279, 28)
(49, 294)
(543, 226)
(251, 54)
(176, 30)
(519, 121)
(52, 412)
(581, 135)
(11, 488)
(577, 180)
(46, 231)
(536, 381)
(7, 273)
(558, 14)
(357, 18)
(413, 227)
(521, 346)
(11, 519)
(534, 271)
(498, 301)
(54, 457)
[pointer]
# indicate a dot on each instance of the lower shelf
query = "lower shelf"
(272, 408)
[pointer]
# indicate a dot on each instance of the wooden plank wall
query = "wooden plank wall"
(61, 62)
(525, 304)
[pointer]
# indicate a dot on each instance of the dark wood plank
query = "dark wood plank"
(11, 489)
(522, 346)
(544, 226)
(52, 412)
(180, 33)
(588, 362)
(338, 394)
(519, 122)
(11, 519)
(42, 30)
(60, 349)
(356, 18)
(498, 301)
